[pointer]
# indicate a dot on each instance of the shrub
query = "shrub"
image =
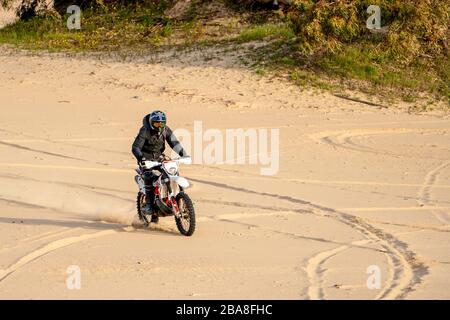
(413, 28)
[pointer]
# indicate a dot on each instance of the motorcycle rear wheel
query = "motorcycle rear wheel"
(140, 205)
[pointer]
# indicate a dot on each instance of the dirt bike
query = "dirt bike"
(170, 198)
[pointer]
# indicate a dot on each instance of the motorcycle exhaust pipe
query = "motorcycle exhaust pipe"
(163, 208)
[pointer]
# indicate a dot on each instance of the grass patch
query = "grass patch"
(260, 71)
(261, 32)
(102, 28)
(364, 62)
(359, 67)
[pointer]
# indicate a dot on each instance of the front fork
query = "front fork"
(173, 201)
(175, 208)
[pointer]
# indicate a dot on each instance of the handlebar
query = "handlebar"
(154, 164)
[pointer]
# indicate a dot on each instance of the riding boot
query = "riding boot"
(149, 197)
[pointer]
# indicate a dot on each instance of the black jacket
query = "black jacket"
(150, 143)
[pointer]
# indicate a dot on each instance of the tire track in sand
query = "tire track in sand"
(425, 193)
(52, 246)
(314, 269)
(36, 238)
(342, 139)
(407, 269)
(399, 278)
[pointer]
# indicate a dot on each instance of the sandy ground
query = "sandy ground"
(357, 187)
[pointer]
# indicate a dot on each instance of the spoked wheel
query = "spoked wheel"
(140, 205)
(186, 222)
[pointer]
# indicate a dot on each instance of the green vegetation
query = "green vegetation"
(412, 28)
(103, 28)
(316, 43)
(358, 67)
(407, 58)
(261, 32)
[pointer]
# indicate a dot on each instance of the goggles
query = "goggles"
(158, 124)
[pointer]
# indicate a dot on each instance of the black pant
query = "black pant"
(149, 179)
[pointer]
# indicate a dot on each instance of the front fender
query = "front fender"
(140, 183)
(182, 182)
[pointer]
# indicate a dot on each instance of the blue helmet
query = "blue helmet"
(157, 120)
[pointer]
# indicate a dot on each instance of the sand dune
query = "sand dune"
(357, 186)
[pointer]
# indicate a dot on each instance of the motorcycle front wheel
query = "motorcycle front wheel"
(186, 222)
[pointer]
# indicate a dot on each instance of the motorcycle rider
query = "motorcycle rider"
(150, 145)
